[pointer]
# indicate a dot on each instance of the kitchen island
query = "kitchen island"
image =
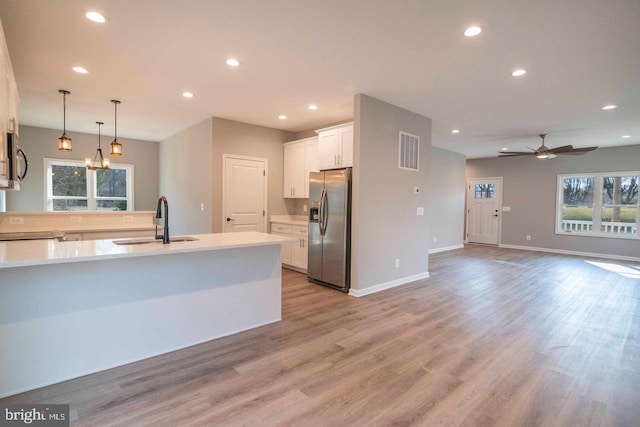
(68, 309)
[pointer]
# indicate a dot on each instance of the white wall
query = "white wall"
(185, 178)
(385, 224)
(446, 194)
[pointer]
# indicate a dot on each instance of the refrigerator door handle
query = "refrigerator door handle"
(325, 212)
(321, 213)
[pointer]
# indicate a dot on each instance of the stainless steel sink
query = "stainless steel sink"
(149, 241)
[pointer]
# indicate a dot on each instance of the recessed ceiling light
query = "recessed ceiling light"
(504, 149)
(80, 70)
(96, 17)
(187, 94)
(609, 107)
(282, 117)
(472, 31)
(455, 131)
(519, 72)
(313, 107)
(626, 136)
(232, 62)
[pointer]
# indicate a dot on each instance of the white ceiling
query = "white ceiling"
(580, 54)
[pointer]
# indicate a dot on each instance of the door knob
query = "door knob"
(230, 219)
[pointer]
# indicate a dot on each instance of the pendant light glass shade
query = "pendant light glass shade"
(98, 162)
(64, 142)
(116, 147)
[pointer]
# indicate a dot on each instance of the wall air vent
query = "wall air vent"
(408, 151)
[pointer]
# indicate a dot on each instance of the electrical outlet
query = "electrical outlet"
(127, 218)
(435, 239)
(528, 237)
(304, 208)
(397, 262)
(75, 219)
(202, 207)
(15, 220)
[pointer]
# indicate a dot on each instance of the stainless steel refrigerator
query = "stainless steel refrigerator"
(329, 261)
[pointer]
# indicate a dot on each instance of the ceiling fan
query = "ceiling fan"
(544, 152)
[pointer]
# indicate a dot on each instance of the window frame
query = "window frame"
(597, 205)
(92, 197)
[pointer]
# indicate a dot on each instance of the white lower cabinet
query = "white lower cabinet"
(294, 254)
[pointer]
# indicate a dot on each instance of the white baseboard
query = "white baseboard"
(565, 252)
(445, 248)
(388, 285)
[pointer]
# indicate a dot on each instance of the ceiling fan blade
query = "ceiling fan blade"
(516, 153)
(503, 155)
(578, 151)
(563, 149)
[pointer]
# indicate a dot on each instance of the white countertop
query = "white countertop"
(290, 219)
(43, 252)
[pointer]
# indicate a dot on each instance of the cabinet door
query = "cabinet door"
(294, 170)
(346, 141)
(299, 250)
(328, 149)
(289, 170)
(311, 162)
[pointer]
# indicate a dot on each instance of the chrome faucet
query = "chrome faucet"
(165, 235)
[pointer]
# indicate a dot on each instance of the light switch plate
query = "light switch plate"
(506, 209)
(420, 211)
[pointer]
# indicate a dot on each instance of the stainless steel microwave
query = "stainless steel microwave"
(17, 164)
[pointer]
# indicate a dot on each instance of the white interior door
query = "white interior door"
(244, 198)
(484, 204)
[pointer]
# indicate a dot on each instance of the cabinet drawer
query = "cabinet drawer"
(280, 228)
(299, 230)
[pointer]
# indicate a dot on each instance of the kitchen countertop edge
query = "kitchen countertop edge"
(47, 252)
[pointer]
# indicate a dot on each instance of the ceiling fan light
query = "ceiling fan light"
(542, 156)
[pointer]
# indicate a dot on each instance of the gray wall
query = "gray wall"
(530, 191)
(385, 225)
(446, 192)
(231, 137)
(40, 143)
(185, 162)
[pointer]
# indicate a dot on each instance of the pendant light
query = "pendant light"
(99, 162)
(64, 142)
(116, 147)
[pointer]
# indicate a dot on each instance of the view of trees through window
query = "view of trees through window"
(602, 203)
(73, 187)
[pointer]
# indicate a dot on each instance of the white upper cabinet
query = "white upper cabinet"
(8, 107)
(335, 146)
(300, 158)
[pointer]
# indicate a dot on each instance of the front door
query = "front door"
(484, 204)
(244, 198)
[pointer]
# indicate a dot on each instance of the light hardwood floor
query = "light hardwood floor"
(494, 337)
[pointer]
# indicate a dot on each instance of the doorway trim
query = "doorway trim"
(467, 209)
(265, 200)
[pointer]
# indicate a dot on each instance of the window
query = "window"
(72, 187)
(484, 191)
(599, 204)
